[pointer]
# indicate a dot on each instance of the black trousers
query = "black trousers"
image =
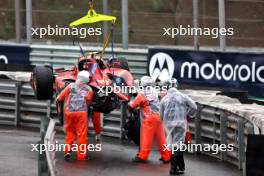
(177, 161)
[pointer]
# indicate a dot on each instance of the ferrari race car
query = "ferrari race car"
(107, 79)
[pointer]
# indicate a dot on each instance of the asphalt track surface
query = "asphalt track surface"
(16, 158)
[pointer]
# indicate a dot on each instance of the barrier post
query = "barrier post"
(49, 108)
(241, 142)
(250, 131)
(197, 122)
(29, 20)
(123, 120)
(223, 131)
(196, 23)
(42, 162)
(18, 21)
(17, 104)
(222, 21)
(125, 24)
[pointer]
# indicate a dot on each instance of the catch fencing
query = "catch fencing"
(211, 125)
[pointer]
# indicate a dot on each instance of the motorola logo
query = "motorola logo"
(161, 64)
(226, 72)
(3, 59)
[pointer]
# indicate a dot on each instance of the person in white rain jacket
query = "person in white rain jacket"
(174, 109)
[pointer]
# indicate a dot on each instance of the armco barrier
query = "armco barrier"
(217, 126)
(66, 56)
(18, 105)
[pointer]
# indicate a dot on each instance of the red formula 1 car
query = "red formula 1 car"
(105, 75)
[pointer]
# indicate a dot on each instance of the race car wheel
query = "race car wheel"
(132, 125)
(43, 82)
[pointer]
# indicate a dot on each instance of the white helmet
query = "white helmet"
(146, 81)
(161, 80)
(83, 76)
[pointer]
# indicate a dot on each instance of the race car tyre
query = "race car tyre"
(43, 82)
(132, 126)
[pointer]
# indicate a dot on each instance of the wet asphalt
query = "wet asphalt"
(16, 158)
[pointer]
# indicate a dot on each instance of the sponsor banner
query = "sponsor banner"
(236, 71)
(14, 54)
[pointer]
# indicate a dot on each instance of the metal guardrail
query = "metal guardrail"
(66, 56)
(18, 105)
(218, 126)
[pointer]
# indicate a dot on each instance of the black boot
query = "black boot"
(174, 168)
(67, 156)
(181, 164)
(138, 160)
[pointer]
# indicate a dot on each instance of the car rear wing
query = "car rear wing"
(16, 72)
